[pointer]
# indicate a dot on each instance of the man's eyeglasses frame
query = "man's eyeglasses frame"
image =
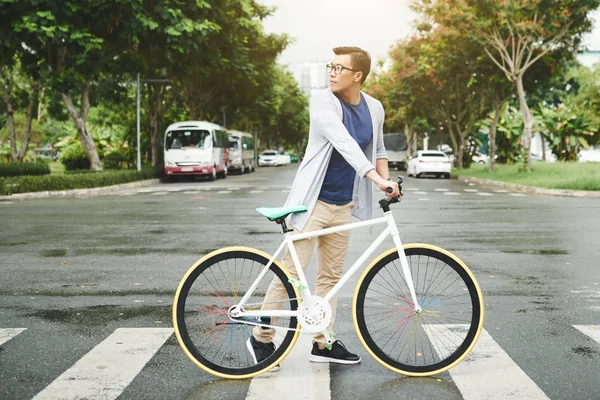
(338, 69)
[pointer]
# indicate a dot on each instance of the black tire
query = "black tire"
(207, 334)
(425, 343)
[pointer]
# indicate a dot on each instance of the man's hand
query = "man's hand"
(384, 184)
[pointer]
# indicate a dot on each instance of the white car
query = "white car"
(284, 159)
(268, 158)
(429, 162)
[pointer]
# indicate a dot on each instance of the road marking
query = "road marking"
(128, 194)
(517, 194)
(451, 193)
(424, 199)
(108, 368)
(6, 202)
(592, 331)
(256, 191)
(298, 378)
(501, 191)
(471, 190)
(441, 190)
(8, 333)
(192, 192)
(174, 190)
(488, 372)
(285, 190)
(159, 193)
(484, 194)
(223, 191)
(145, 190)
(236, 188)
(411, 189)
(420, 192)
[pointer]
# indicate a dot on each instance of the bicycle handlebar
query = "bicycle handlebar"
(385, 203)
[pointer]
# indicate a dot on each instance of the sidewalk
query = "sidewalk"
(99, 191)
(530, 189)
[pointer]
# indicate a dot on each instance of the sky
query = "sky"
(374, 25)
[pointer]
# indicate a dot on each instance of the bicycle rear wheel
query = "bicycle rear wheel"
(425, 343)
(208, 335)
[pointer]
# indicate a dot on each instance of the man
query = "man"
(345, 146)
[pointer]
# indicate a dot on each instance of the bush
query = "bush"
(19, 169)
(25, 184)
(114, 160)
(74, 157)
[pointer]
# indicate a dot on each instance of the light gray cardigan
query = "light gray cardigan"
(326, 132)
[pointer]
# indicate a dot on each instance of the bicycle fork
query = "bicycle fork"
(403, 261)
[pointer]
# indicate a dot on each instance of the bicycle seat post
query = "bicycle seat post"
(284, 228)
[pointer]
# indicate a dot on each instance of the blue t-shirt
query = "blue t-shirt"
(339, 179)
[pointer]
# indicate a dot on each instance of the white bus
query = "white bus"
(396, 147)
(196, 148)
(241, 151)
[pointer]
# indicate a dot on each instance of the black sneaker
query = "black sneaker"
(338, 354)
(260, 351)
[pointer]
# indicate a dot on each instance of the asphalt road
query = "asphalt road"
(74, 271)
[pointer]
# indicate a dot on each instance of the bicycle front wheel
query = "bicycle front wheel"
(212, 339)
(436, 338)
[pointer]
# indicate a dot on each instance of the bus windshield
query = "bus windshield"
(188, 138)
(234, 142)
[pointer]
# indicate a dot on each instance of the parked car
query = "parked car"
(284, 159)
(589, 155)
(429, 162)
(269, 157)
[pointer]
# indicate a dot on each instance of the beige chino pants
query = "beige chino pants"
(330, 262)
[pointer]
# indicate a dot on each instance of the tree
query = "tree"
(78, 40)
(439, 71)
(19, 70)
(516, 34)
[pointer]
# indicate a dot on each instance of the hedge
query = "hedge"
(20, 169)
(25, 184)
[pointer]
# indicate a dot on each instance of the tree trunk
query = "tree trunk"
(492, 134)
(10, 121)
(409, 139)
(527, 121)
(456, 145)
(156, 93)
(33, 103)
(80, 119)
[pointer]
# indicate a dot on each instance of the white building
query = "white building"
(311, 76)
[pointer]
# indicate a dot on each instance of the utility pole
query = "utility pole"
(139, 155)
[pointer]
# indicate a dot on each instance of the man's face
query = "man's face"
(346, 78)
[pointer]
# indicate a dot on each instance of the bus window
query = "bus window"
(186, 139)
(234, 142)
(247, 143)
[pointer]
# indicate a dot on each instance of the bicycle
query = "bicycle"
(417, 309)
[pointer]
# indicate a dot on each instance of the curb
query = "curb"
(90, 192)
(531, 189)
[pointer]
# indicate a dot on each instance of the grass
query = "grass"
(56, 168)
(558, 175)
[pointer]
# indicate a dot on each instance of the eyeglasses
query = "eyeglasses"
(338, 68)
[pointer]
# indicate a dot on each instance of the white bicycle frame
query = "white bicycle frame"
(289, 240)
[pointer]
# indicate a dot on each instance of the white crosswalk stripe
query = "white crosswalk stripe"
(8, 333)
(108, 368)
(592, 331)
(488, 372)
(104, 372)
(298, 378)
